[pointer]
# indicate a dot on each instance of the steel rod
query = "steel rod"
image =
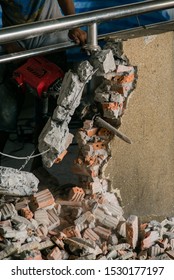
(102, 123)
(30, 30)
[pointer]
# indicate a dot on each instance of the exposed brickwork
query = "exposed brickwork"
(89, 222)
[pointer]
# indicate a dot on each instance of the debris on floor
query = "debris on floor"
(45, 227)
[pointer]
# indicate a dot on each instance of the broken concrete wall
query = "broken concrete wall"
(142, 173)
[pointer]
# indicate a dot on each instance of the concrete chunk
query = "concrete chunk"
(85, 71)
(53, 141)
(104, 61)
(17, 183)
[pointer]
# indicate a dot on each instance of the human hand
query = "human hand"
(78, 36)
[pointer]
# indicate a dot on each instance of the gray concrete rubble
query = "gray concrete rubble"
(55, 137)
(17, 183)
(103, 61)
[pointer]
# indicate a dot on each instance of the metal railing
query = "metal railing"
(90, 19)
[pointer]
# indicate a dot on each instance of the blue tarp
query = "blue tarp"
(115, 25)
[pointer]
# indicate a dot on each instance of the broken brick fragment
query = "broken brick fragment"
(110, 106)
(58, 241)
(42, 199)
(76, 194)
(103, 132)
(71, 231)
(27, 213)
(61, 156)
(123, 79)
(7, 211)
(91, 132)
(91, 234)
(155, 250)
(41, 216)
(132, 230)
(53, 218)
(99, 145)
(149, 239)
(42, 231)
(104, 233)
(163, 243)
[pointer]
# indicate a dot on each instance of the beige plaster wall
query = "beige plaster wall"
(142, 173)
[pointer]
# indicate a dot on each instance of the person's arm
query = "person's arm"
(13, 47)
(67, 7)
(76, 34)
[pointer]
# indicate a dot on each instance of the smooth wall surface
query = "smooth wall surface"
(142, 174)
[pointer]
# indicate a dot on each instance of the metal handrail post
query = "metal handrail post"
(92, 42)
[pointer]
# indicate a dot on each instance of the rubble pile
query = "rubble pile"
(87, 222)
(43, 227)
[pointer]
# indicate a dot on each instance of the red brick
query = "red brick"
(111, 106)
(91, 132)
(149, 239)
(90, 234)
(102, 232)
(61, 156)
(104, 132)
(42, 199)
(98, 145)
(27, 213)
(76, 194)
(132, 231)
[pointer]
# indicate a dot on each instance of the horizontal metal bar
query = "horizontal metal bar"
(35, 52)
(30, 30)
(139, 31)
